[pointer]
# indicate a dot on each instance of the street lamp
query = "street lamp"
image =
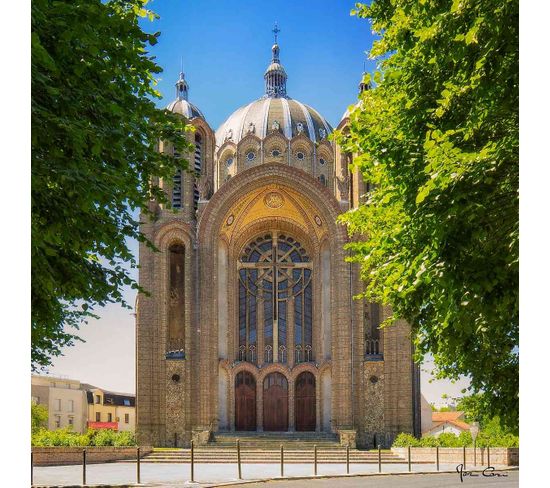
(474, 430)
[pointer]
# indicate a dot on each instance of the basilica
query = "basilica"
(249, 323)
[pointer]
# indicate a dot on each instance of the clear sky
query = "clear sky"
(226, 47)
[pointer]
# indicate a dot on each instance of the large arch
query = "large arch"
(324, 209)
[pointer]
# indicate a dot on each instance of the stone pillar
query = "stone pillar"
(259, 405)
(291, 404)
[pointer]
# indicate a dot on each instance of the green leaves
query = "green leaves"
(438, 135)
(94, 132)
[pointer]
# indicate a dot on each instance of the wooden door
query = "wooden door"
(245, 401)
(275, 403)
(305, 404)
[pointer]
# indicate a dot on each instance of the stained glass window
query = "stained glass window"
(274, 269)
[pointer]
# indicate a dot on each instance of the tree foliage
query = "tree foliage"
(438, 137)
(39, 417)
(95, 129)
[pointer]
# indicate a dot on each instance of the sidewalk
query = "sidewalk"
(124, 474)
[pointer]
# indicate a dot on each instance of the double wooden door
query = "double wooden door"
(275, 399)
(305, 402)
(245, 401)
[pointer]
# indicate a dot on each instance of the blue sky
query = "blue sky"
(226, 46)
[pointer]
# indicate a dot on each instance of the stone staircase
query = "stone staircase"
(257, 447)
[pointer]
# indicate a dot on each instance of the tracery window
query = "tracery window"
(371, 324)
(197, 168)
(275, 277)
(176, 302)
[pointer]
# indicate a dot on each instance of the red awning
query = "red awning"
(103, 425)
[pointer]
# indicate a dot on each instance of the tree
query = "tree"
(95, 130)
(438, 138)
(39, 417)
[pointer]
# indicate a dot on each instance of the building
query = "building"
(110, 410)
(250, 324)
(446, 422)
(65, 400)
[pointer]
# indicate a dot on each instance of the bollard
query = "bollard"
(84, 466)
(138, 474)
(464, 457)
(347, 459)
(32, 469)
(315, 459)
(379, 458)
(437, 457)
(282, 461)
(239, 459)
(488, 457)
(192, 461)
(409, 457)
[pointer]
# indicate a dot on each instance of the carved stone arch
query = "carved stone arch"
(210, 225)
(275, 141)
(301, 145)
(249, 143)
(274, 368)
(173, 230)
(244, 366)
(261, 226)
(298, 205)
(300, 368)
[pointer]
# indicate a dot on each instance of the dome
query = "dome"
(181, 104)
(185, 108)
(290, 117)
(275, 111)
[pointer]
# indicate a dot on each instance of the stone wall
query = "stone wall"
(58, 456)
(507, 456)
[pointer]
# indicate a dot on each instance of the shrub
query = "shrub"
(66, 437)
(406, 440)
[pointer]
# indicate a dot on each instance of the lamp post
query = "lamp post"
(474, 430)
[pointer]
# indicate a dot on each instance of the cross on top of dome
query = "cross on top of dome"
(275, 75)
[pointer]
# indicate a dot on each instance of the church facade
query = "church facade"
(250, 322)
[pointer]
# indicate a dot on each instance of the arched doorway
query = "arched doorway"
(305, 402)
(275, 398)
(245, 401)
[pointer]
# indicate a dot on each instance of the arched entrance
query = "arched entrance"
(275, 398)
(305, 402)
(245, 401)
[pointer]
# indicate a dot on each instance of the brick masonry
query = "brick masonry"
(504, 456)
(179, 399)
(59, 456)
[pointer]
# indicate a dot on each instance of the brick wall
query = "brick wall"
(58, 456)
(507, 456)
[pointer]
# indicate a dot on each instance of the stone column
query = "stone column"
(291, 403)
(259, 405)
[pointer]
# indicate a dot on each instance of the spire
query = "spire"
(364, 84)
(275, 75)
(182, 88)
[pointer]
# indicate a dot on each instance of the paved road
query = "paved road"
(175, 475)
(405, 481)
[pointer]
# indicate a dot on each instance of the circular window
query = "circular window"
(176, 378)
(250, 155)
(322, 161)
(275, 153)
(300, 155)
(229, 161)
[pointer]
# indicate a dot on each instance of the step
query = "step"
(207, 454)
